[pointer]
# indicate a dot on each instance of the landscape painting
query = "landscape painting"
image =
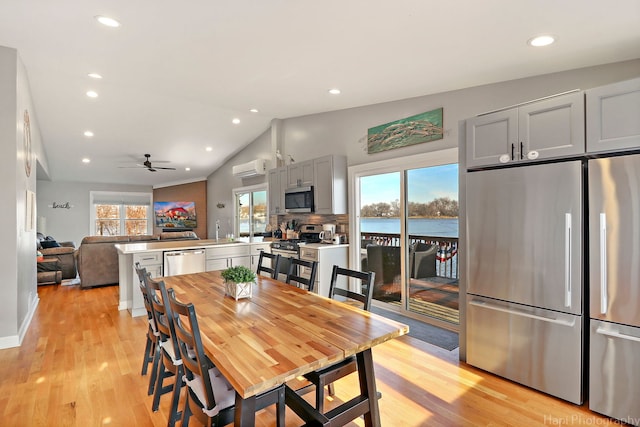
(416, 129)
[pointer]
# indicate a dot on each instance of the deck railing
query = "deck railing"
(446, 259)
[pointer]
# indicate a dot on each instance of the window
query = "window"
(116, 214)
(251, 213)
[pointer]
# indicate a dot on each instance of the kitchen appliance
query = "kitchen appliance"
(524, 273)
(298, 200)
(327, 233)
(184, 262)
(614, 273)
(290, 248)
(337, 239)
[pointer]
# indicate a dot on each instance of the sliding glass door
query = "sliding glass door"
(407, 233)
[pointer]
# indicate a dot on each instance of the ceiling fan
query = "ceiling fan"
(147, 164)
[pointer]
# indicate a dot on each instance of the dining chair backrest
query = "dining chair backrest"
(275, 264)
(295, 276)
(366, 285)
(215, 395)
(162, 312)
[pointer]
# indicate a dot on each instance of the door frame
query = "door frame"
(398, 164)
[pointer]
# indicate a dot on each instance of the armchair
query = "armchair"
(64, 251)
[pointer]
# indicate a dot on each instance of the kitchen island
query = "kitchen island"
(219, 254)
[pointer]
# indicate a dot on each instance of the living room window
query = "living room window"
(115, 214)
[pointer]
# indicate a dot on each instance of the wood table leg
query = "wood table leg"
(367, 380)
(245, 414)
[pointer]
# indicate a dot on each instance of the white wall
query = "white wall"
(221, 183)
(18, 265)
(72, 224)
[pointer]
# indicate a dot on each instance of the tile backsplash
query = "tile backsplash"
(341, 221)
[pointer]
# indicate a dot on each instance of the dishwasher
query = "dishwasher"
(184, 262)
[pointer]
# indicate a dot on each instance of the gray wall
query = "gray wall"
(72, 224)
(18, 264)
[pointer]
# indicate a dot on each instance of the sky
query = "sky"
(424, 185)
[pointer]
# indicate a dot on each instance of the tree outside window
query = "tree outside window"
(111, 219)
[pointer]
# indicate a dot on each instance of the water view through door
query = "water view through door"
(409, 238)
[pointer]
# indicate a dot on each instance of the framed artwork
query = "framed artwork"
(416, 129)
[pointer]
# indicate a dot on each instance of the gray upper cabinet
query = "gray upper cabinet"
(330, 185)
(551, 127)
(277, 184)
(300, 174)
(613, 116)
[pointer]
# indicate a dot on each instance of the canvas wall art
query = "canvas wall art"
(416, 129)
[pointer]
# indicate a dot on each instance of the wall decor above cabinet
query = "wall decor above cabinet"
(542, 129)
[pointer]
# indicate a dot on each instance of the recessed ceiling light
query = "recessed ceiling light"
(539, 41)
(334, 91)
(254, 110)
(235, 121)
(86, 160)
(94, 75)
(109, 22)
(92, 94)
(187, 169)
(88, 133)
(209, 149)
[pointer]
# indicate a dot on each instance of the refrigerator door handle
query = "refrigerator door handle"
(490, 306)
(567, 260)
(603, 263)
(616, 334)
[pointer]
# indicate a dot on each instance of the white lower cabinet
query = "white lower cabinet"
(255, 250)
(221, 257)
(327, 256)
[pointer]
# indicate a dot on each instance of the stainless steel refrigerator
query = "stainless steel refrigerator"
(614, 270)
(524, 275)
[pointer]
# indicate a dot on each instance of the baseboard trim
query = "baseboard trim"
(11, 341)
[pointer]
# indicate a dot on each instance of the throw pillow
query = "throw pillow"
(46, 244)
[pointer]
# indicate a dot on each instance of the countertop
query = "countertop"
(130, 248)
(324, 246)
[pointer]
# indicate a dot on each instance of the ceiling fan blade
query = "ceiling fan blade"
(169, 169)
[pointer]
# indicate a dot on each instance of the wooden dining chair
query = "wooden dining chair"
(172, 364)
(210, 397)
(326, 376)
(295, 276)
(275, 264)
(153, 335)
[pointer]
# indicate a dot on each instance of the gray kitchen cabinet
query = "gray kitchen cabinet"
(330, 185)
(300, 174)
(277, 185)
(542, 129)
(221, 257)
(613, 116)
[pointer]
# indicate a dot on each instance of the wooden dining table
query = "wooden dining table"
(280, 333)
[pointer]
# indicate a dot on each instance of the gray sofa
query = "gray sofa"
(64, 251)
(97, 257)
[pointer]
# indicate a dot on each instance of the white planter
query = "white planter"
(238, 290)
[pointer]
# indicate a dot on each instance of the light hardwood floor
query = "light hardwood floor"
(79, 365)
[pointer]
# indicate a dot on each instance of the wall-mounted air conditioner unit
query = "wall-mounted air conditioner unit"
(252, 168)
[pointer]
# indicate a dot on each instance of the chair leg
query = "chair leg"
(154, 369)
(174, 414)
(186, 412)
(160, 390)
(148, 355)
(332, 390)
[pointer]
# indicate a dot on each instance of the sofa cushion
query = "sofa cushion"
(182, 235)
(104, 239)
(144, 237)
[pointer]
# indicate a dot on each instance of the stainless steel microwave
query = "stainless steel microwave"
(298, 199)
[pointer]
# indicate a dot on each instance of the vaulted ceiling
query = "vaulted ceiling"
(175, 74)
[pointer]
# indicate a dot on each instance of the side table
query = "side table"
(49, 271)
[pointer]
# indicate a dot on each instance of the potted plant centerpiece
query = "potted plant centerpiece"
(238, 281)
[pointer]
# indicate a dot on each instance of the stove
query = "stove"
(309, 233)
